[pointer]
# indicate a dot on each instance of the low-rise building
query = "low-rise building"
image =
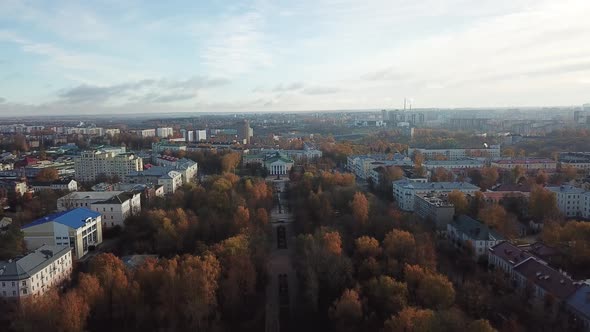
(63, 185)
(528, 164)
(278, 164)
(572, 201)
(465, 231)
(78, 229)
(15, 188)
(405, 190)
(188, 168)
(114, 206)
(490, 152)
(435, 208)
(580, 160)
(454, 164)
(35, 273)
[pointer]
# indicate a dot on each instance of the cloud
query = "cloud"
(318, 90)
(296, 86)
(148, 90)
(235, 44)
(2, 100)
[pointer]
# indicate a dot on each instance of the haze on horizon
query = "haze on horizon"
(67, 57)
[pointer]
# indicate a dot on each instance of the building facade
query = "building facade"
(465, 231)
(78, 228)
(34, 274)
(91, 164)
(405, 190)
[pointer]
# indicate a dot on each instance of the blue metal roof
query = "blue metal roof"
(580, 301)
(72, 218)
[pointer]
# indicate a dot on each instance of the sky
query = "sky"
(112, 56)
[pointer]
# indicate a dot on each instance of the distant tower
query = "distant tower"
(245, 132)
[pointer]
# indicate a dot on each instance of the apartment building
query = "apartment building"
(143, 133)
(170, 179)
(78, 228)
(493, 151)
(572, 201)
(64, 185)
(405, 190)
(91, 164)
(34, 274)
(186, 167)
(435, 208)
(164, 132)
(114, 206)
(466, 231)
(454, 164)
(528, 164)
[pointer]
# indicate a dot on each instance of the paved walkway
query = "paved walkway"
(277, 316)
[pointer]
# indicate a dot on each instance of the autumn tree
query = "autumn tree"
(360, 208)
(230, 161)
(459, 201)
(411, 319)
(480, 325)
(386, 295)
(436, 291)
(47, 175)
(440, 174)
(347, 311)
(496, 217)
(542, 204)
(366, 246)
(332, 242)
(489, 177)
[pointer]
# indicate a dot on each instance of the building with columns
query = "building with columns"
(278, 164)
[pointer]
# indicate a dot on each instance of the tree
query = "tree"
(47, 175)
(517, 173)
(489, 177)
(542, 204)
(230, 161)
(241, 217)
(332, 242)
(442, 175)
(480, 325)
(496, 217)
(541, 177)
(73, 311)
(386, 295)
(411, 319)
(366, 246)
(436, 291)
(400, 245)
(347, 311)
(459, 201)
(360, 208)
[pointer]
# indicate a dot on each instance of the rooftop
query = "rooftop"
(580, 301)
(32, 263)
(475, 229)
(93, 195)
(74, 218)
(435, 185)
(547, 278)
(510, 253)
(566, 188)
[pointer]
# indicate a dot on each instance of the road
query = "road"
(281, 289)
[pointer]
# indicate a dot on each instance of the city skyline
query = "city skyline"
(259, 56)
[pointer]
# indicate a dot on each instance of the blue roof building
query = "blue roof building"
(78, 228)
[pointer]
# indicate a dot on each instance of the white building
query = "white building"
(572, 201)
(91, 164)
(435, 208)
(114, 206)
(79, 229)
(405, 190)
(466, 231)
(35, 273)
(112, 131)
(528, 164)
(493, 151)
(185, 166)
(63, 185)
(171, 181)
(164, 132)
(166, 145)
(454, 164)
(146, 133)
(278, 164)
(200, 135)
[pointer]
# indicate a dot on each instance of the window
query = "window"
(24, 283)
(13, 293)
(24, 291)
(13, 284)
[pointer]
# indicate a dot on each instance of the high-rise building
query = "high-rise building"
(200, 135)
(91, 164)
(245, 132)
(146, 133)
(164, 132)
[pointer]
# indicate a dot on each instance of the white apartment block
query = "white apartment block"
(405, 190)
(112, 131)
(79, 229)
(185, 166)
(91, 164)
(35, 273)
(64, 185)
(164, 132)
(572, 201)
(114, 206)
(493, 151)
(200, 135)
(466, 231)
(146, 133)
(171, 181)
(528, 164)
(454, 164)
